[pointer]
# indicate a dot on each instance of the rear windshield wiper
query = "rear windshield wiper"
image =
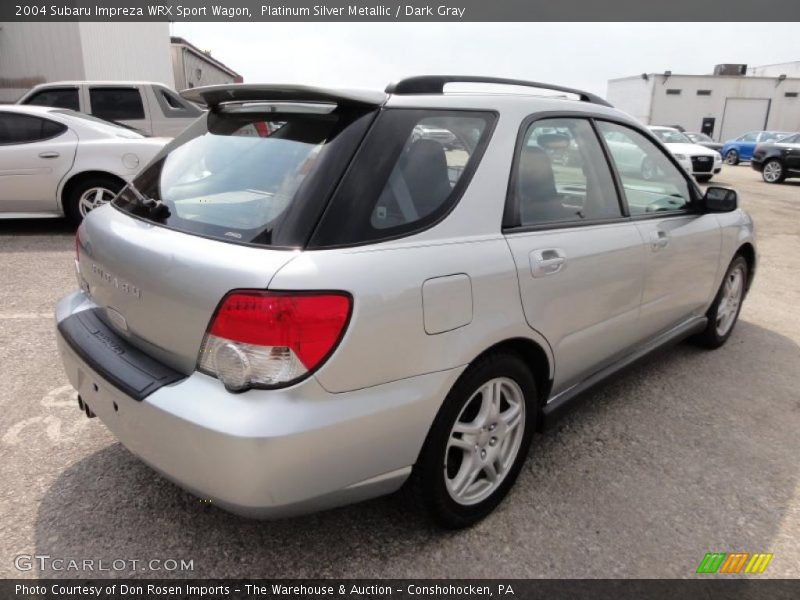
(153, 208)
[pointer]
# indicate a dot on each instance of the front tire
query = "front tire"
(477, 443)
(703, 178)
(773, 172)
(732, 157)
(724, 312)
(88, 195)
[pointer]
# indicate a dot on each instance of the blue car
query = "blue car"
(742, 147)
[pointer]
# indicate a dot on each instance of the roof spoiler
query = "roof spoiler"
(214, 95)
(434, 84)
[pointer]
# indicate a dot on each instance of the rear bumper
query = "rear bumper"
(266, 453)
(757, 163)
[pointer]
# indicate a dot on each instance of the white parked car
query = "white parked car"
(698, 160)
(150, 108)
(56, 162)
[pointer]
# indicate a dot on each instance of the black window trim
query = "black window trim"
(63, 128)
(457, 193)
(510, 222)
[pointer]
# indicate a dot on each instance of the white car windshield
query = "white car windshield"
(671, 136)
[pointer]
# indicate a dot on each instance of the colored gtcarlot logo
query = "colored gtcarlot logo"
(734, 562)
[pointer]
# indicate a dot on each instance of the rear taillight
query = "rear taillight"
(268, 339)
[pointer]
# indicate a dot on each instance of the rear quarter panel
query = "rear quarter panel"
(386, 339)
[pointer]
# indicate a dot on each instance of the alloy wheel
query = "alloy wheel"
(732, 293)
(94, 197)
(732, 157)
(484, 441)
(773, 171)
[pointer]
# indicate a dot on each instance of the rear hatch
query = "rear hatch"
(158, 288)
(223, 207)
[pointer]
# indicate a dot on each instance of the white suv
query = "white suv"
(315, 296)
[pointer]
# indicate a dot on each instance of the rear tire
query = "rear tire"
(724, 312)
(89, 194)
(474, 452)
(772, 171)
(732, 157)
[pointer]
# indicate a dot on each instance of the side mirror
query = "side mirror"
(720, 199)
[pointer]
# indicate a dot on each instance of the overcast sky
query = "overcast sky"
(583, 55)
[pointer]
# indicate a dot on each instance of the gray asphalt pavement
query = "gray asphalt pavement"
(690, 452)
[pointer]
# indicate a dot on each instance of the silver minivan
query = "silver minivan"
(313, 296)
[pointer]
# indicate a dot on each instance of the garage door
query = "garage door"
(743, 115)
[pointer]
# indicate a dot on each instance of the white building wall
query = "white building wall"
(632, 95)
(34, 53)
(122, 51)
(688, 108)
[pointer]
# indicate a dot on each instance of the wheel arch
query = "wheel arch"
(748, 251)
(535, 357)
(77, 178)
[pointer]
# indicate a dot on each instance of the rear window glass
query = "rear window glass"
(411, 171)
(243, 176)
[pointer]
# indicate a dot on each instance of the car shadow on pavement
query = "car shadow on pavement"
(688, 452)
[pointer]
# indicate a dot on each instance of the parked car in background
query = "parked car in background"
(698, 160)
(778, 160)
(703, 140)
(149, 108)
(291, 322)
(735, 151)
(56, 162)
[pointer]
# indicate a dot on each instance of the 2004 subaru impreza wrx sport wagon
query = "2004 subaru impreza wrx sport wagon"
(313, 297)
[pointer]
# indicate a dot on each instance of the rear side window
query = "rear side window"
(56, 97)
(21, 129)
(174, 106)
(258, 178)
(116, 104)
(410, 172)
(561, 175)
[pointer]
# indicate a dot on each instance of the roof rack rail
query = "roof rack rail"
(434, 84)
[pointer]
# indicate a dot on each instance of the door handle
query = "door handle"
(547, 262)
(658, 240)
(49, 154)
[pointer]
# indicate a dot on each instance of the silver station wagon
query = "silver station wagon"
(313, 297)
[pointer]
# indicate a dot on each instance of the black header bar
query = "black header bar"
(408, 10)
